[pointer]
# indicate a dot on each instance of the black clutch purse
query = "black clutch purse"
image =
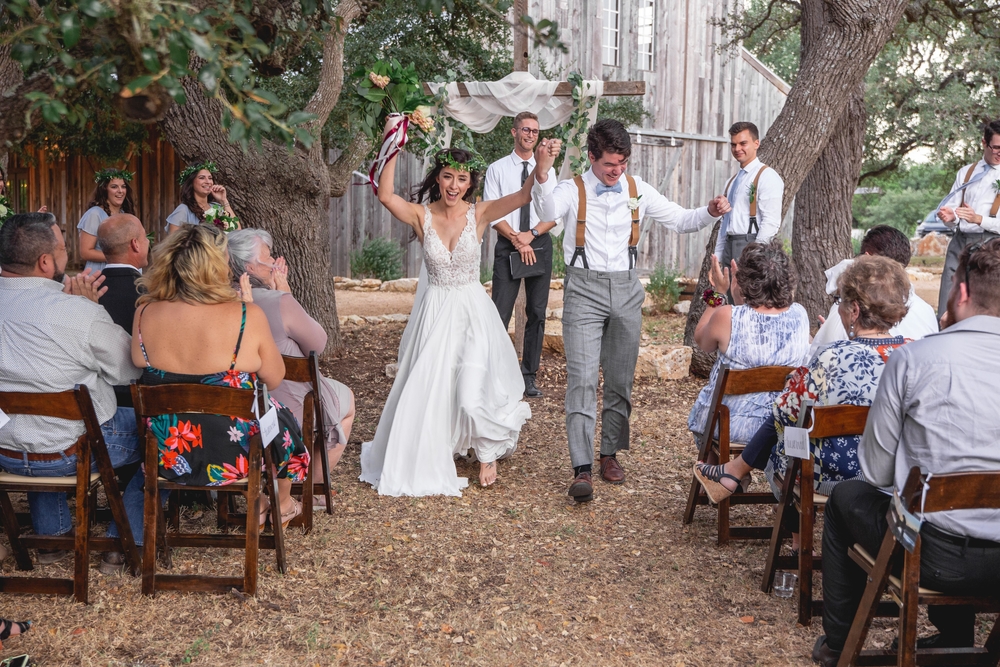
(518, 269)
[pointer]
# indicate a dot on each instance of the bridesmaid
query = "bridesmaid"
(113, 195)
(199, 192)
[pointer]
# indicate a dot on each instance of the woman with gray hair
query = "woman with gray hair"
(295, 332)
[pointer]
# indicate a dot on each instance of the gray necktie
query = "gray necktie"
(526, 209)
(972, 181)
(726, 219)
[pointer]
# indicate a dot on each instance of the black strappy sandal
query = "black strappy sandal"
(7, 625)
(710, 477)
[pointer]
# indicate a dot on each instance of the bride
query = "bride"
(458, 386)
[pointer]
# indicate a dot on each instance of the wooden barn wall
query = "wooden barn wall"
(65, 184)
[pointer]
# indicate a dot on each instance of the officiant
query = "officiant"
(602, 300)
(524, 246)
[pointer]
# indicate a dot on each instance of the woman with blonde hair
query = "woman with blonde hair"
(185, 331)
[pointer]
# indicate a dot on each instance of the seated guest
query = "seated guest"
(884, 241)
(191, 327)
(126, 248)
(934, 409)
(52, 339)
(763, 328)
(846, 372)
(294, 331)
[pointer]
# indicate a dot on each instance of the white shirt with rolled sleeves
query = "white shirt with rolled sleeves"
(503, 177)
(609, 219)
(979, 196)
(935, 408)
(770, 190)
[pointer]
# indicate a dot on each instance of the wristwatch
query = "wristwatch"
(534, 232)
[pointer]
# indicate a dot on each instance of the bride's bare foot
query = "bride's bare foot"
(487, 473)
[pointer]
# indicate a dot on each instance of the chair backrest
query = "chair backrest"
(831, 421)
(306, 369)
(731, 382)
(153, 400)
(73, 405)
(952, 491)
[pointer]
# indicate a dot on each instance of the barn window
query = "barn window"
(647, 9)
(611, 15)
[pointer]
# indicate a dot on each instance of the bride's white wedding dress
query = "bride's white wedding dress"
(458, 386)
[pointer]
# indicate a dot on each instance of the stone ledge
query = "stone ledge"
(363, 320)
(666, 362)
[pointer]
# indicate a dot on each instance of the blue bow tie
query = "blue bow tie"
(602, 188)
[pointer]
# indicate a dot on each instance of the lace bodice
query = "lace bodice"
(457, 268)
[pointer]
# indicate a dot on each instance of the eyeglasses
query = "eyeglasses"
(995, 149)
(531, 131)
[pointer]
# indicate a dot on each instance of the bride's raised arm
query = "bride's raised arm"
(545, 155)
(405, 211)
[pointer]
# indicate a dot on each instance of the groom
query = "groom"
(602, 301)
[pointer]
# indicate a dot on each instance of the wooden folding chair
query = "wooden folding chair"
(955, 491)
(73, 405)
(826, 422)
(720, 450)
(299, 369)
(151, 401)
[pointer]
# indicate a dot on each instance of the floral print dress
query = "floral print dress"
(182, 438)
(845, 372)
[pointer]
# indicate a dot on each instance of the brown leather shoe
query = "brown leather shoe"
(582, 488)
(611, 470)
(823, 654)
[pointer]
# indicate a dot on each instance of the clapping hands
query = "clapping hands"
(85, 284)
(280, 273)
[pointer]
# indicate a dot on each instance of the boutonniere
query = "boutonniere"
(753, 191)
(996, 185)
(633, 203)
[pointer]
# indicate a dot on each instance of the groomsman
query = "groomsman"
(754, 193)
(602, 300)
(977, 193)
(521, 236)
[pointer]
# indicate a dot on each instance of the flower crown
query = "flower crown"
(195, 168)
(475, 163)
(111, 173)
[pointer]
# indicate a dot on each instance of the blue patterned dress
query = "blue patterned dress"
(755, 340)
(845, 372)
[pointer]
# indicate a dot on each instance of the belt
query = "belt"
(960, 540)
(742, 237)
(55, 456)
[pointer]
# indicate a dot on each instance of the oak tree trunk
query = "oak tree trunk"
(821, 232)
(701, 362)
(840, 40)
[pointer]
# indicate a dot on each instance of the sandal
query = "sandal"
(710, 477)
(265, 510)
(286, 517)
(7, 625)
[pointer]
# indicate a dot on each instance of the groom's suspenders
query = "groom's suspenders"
(996, 200)
(753, 227)
(581, 224)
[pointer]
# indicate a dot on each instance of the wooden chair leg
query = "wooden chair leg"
(307, 496)
(174, 511)
(907, 656)
(222, 509)
(252, 555)
(877, 579)
(778, 532)
(325, 466)
(806, 522)
(81, 543)
(149, 528)
(13, 530)
(724, 455)
(271, 477)
(723, 523)
(161, 536)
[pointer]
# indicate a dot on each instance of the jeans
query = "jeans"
(50, 513)
(856, 513)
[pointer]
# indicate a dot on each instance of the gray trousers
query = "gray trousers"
(958, 243)
(602, 324)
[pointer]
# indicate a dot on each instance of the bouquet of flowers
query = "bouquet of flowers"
(5, 209)
(216, 215)
(389, 89)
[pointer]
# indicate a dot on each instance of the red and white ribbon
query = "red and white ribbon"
(392, 143)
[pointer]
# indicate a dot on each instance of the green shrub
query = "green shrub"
(378, 258)
(664, 288)
(558, 259)
(485, 274)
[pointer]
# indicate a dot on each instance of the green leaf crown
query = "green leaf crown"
(111, 173)
(195, 168)
(445, 158)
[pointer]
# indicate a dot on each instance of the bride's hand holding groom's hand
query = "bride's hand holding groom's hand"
(545, 156)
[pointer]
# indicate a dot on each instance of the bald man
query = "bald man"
(123, 239)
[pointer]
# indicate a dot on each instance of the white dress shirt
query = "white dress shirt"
(920, 321)
(51, 341)
(503, 178)
(123, 266)
(609, 219)
(979, 196)
(935, 408)
(770, 190)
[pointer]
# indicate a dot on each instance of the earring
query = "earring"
(850, 332)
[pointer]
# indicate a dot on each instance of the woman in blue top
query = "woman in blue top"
(199, 194)
(113, 195)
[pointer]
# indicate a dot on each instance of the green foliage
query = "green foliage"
(627, 110)
(558, 259)
(485, 274)
(909, 194)
(386, 87)
(574, 131)
(378, 258)
(663, 288)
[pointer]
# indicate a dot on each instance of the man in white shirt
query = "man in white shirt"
(754, 193)
(935, 409)
(524, 237)
(975, 218)
(602, 301)
(920, 319)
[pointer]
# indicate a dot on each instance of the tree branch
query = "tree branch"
(331, 78)
(343, 167)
